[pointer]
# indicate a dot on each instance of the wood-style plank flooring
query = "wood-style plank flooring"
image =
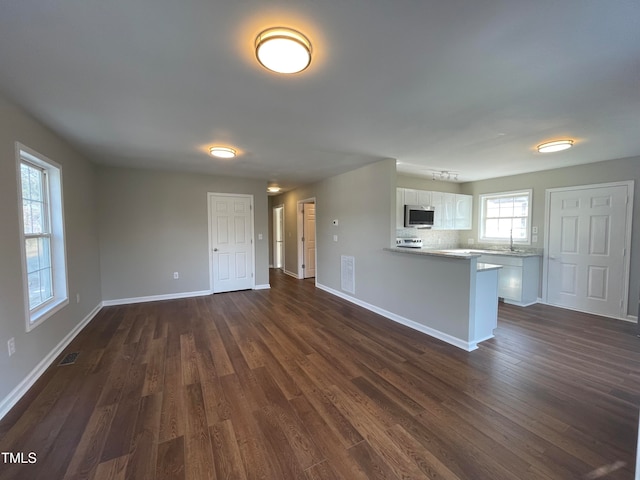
(294, 383)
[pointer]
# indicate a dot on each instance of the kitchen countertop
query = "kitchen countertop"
(508, 253)
(483, 267)
(462, 252)
(434, 253)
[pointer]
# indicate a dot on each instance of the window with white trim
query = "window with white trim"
(44, 264)
(505, 217)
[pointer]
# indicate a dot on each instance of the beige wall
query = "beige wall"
(83, 267)
(421, 183)
(364, 217)
(154, 223)
(416, 289)
(594, 173)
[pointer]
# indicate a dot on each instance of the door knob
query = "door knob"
(215, 249)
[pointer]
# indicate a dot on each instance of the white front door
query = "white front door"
(231, 242)
(587, 248)
(309, 214)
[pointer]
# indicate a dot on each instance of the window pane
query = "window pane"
(45, 284)
(35, 298)
(33, 254)
(519, 234)
(493, 210)
(32, 182)
(39, 272)
(521, 206)
(33, 216)
(36, 180)
(491, 228)
(504, 227)
(506, 207)
(493, 207)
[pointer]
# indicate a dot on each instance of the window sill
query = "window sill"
(40, 315)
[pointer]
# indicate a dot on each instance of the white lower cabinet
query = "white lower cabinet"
(518, 278)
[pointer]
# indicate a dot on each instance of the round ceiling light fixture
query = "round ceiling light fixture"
(556, 146)
(273, 189)
(222, 152)
(283, 50)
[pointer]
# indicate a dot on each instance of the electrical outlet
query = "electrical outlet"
(176, 275)
(534, 238)
(534, 230)
(77, 298)
(11, 346)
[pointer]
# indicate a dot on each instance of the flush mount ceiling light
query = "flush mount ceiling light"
(556, 146)
(222, 152)
(283, 50)
(273, 189)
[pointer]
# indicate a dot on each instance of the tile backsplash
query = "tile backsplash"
(432, 238)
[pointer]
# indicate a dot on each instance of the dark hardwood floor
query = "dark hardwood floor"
(293, 383)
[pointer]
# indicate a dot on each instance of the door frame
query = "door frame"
(629, 184)
(275, 236)
(300, 230)
(252, 226)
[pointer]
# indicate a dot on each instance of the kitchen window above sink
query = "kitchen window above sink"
(505, 217)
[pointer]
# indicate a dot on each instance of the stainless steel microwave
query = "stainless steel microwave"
(419, 216)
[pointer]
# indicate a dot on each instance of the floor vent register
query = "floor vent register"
(69, 359)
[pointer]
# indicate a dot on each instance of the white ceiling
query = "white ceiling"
(460, 85)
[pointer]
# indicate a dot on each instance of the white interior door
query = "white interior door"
(587, 249)
(231, 242)
(309, 214)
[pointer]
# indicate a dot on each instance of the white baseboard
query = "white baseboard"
(624, 318)
(17, 393)
(154, 298)
(264, 286)
(519, 304)
(291, 274)
(432, 332)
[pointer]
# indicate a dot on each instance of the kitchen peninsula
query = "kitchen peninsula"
(449, 295)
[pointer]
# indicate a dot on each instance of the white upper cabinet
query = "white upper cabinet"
(443, 204)
(416, 197)
(424, 198)
(400, 207)
(453, 211)
(463, 212)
